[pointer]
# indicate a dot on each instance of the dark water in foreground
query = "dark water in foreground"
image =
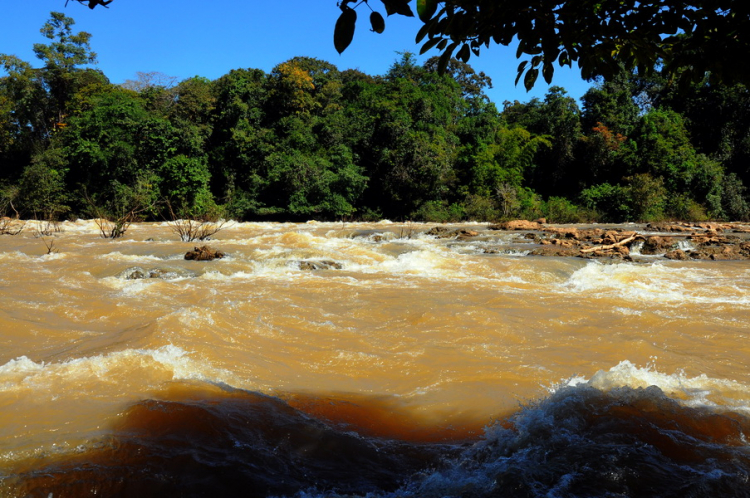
(420, 368)
(578, 442)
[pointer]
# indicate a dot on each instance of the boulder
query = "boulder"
(657, 245)
(466, 234)
(203, 253)
(439, 232)
(568, 233)
(590, 234)
(676, 254)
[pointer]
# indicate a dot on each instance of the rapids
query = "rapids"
(414, 367)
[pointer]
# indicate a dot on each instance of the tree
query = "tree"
(62, 58)
(42, 95)
(558, 118)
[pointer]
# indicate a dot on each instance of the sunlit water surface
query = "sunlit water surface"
(413, 340)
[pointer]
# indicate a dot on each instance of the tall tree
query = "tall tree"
(559, 119)
(63, 58)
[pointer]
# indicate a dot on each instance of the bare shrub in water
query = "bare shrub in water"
(47, 228)
(50, 245)
(126, 205)
(116, 227)
(8, 227)
(192, 229)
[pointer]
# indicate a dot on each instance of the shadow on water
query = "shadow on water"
(578, 442)
(214, 441)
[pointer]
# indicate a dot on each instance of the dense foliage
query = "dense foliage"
(601, 36)
(310, 141)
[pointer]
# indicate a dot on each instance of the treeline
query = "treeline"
(309, 141)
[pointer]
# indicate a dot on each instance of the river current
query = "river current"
(331, 359)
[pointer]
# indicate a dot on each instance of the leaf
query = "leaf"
(547, 71)
(464, 54)
(530, 79)
(446, 57)
(422, 33)
(428, 45)
(377, 22)
(426, 9)
(344, 31)
(398, 7)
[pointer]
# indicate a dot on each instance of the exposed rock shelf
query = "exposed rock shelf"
(679, 241)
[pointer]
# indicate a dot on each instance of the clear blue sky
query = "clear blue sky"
(185, 38)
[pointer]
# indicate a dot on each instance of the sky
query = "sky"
(185, 38)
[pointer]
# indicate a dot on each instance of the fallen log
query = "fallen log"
(610, 246)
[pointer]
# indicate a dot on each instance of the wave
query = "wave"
(608, 436)
(173, 362)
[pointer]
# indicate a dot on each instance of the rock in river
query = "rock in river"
(203, 253)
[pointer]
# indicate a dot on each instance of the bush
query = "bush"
(530, 205)
(479, 208)
(561, 210)
(646, 197)
(733, 201)
(439, 212)
(185, 184)
(41, 192)
(608, 201)
(682, 207)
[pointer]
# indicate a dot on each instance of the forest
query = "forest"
(310, 141)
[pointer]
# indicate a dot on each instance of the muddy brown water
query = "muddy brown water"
(412, 348)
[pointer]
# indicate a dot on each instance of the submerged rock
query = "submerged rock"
(138, 273)
(203, 253)
(320, 265)
(445, 233)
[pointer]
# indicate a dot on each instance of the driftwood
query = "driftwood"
(610, 246)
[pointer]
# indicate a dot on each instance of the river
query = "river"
(399, 365)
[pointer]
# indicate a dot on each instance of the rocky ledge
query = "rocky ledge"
(678, 241)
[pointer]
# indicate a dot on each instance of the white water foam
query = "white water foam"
(655, 282)
(118, 256)
(179, 365)
(701, 390)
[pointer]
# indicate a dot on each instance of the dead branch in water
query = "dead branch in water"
(610, 246)
(50, 245)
